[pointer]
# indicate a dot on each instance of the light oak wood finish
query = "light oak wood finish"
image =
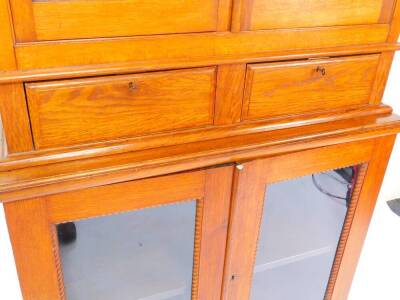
(277, 89)
(111, 199)
(229, 101)
(266, 14)
(47, 156)
(395, 25)
(382, 74)
(8, 61)
(13, 110)
(32, 241)
(15, 118)
(165, 64)
(87, 110)
(55, 176)
(57, 20)
(192, 46)
(251, 181)
(187, 90)
(247, 202)
(210, 187)
(23, 19)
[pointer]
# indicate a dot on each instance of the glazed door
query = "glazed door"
(298, 222)
(152, 239)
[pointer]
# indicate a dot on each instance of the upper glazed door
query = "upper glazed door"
(40, 20)
(277, 14)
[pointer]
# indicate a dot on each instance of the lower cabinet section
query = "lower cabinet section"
(151, 239)
(284, 227)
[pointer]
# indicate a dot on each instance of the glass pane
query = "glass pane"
(145, 254)
(300, 230)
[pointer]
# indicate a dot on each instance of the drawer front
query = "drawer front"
(86, 110)
(71, 19)
(273, 14)
(301, 87)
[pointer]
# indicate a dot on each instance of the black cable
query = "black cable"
(322, 190)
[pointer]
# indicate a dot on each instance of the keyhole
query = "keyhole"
(132, 86)
(321, 70)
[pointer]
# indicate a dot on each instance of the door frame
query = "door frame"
(250, 181)
(32, 226)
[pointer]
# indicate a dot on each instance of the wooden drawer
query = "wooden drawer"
(70, 19)
(274, 14)
(301, 87)
(85, 110)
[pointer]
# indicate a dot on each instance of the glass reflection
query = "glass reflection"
(145, 254)
(300, 230)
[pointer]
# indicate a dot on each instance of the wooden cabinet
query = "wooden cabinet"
(214, 149)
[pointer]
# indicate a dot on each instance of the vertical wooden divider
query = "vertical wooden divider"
(32, 240)
(229, 96)
(215, 218)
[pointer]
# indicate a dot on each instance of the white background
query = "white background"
(378, 273)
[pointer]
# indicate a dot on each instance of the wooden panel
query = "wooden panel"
(270, 14)
(85, 110)
(217, 198)
(36, 259)
(395, 25)
(366, 204)
(14, 115)
(333, 157)
(224, 15)
(160, 49)
(230, 85)
(55, 20)
(7, 61)
(124, 197)
(288, 88)
(140, 66)
(382, 75)
(24, 23)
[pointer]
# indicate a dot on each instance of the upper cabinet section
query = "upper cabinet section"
(41, 20)
(279, 14)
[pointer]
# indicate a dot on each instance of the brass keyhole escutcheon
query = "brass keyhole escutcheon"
(321, 70)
